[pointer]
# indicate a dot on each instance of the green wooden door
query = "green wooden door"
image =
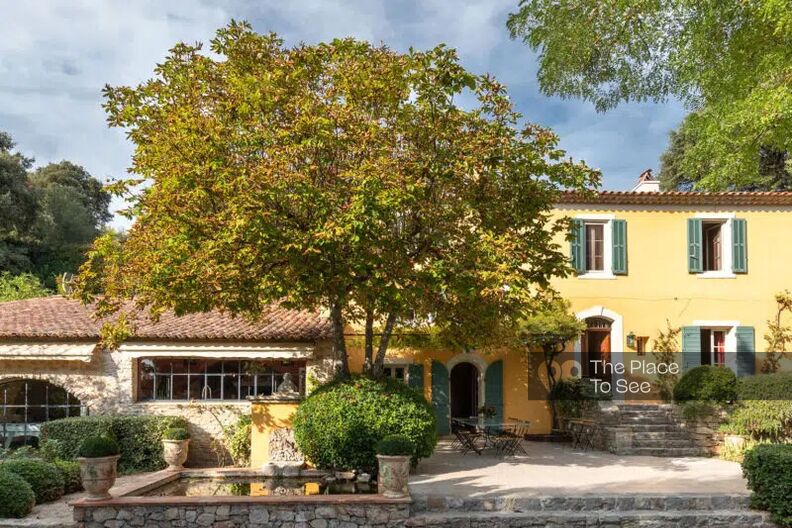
(440, 401)
(493, 388)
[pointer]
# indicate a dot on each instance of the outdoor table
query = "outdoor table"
(583, 432)
(492, 429)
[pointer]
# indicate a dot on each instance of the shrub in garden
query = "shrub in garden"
(768, 469)
(237, 440)
(707, 383)
(139, 437)
(575, 395)
(395, 445)
(764, 411)
(98, 447)
(44, 478)
(175, 433)
(776, 386)
(16, 496)
(72, 482)
(339, 424)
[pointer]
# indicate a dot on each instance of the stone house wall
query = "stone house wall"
(107, 385)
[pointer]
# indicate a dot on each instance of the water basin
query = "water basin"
(258, 487)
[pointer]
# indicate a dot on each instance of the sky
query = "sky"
(55, 57)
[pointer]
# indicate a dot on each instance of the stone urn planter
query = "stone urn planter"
(175, 453)
(394, 453)
(393, 474)
(98, 462)
(175, 445)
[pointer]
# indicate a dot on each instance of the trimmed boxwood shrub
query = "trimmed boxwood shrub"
(72, 482)
(395, 445)
(707, 383)
(16, 496)
(44, 478)
(98, 447)
(777, 386)
(139, 437)
(175, 433)
(768, 469)
(339, 424)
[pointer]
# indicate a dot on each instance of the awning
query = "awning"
(47, 351)
(219, 350)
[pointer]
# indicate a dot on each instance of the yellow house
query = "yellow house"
(709, 264)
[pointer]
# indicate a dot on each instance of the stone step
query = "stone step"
(661, 435)
(610, 502)
(653, 428)
(644, 406)
(663, 451)
(646, 420)
(626, 519)
(662, 443)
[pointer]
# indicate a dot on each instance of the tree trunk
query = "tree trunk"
(379, 362)
(369, 345)
(550, 354)
(339, 344)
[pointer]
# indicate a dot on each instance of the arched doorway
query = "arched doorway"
(464, 385)
(596, 347)
(25, 404)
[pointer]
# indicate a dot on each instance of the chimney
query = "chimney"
(646, 183)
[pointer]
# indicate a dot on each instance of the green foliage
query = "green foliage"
(694, 409)
(16, 496)
(707, 383)
(768, 469)
(575, 395)
(762, 420)
(779, 333)
(50, 450)
(339, 424)
(175, 433)
(395, 445)
(139, 437)
(730, 62)
(98, 447)
(23, 286)
(311, 176)
(237, 440)
(777, 386)
(72, 482)
(44, 478)
(48, 217)
(665, 352)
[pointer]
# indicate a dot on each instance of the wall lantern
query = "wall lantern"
(631, 340)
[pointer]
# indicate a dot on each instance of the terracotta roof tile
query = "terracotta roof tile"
(61, 318)
(678, 198)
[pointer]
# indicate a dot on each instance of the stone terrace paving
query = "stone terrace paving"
(553, 486)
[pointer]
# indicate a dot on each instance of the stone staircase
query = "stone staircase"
(606, 511)
(647, 429)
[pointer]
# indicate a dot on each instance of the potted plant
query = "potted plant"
(98, 460)
(393, 455)
(175, 443)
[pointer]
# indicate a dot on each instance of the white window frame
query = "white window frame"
(726, 271)
(607, 246)
(397, 363)
(730, 327)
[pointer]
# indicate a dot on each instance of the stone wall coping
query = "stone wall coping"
(262, 500)
(277, 398)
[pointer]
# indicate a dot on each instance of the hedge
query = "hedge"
(72, 481)
(339, 424)
(44, 478)
(707, 383)
(777, 386)
(768, 469)
(16, 496)
(139, 438)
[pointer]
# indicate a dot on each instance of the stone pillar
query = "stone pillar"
(272, 420)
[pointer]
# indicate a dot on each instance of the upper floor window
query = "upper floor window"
(717, 247)
(599, 246)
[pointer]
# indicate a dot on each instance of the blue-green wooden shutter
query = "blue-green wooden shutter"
(578, 246)
(691, 347)
(415, 377)
(440, 397)
(695, 261)
(739, 246)
(746, 351)
(493, 388)
(619, 229)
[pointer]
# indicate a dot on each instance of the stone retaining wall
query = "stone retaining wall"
(341, 513)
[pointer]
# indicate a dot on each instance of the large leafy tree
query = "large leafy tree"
(23, 286)
(731, 62)
(17, 207)
(340, 176)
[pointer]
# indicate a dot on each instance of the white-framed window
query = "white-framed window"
(398, 371)
(717, 246)
(718, 342)
(597, 251)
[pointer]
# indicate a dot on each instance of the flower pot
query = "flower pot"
(393, 474)
(175, 453)
(98, 476)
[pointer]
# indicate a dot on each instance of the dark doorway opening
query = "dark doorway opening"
(464, 390)
(596, 346)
